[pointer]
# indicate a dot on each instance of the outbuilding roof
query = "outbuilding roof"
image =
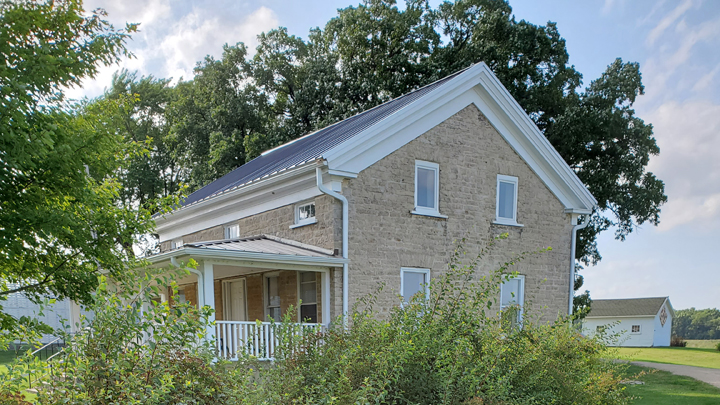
(308, 147)
(626, 307)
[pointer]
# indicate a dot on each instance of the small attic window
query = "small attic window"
(304, 214)
(176, 244)
(232, 231)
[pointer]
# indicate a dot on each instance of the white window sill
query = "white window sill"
(507, 223)
(304, 223)
(429, 214)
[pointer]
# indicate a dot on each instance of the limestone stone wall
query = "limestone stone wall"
(385, 236)
(326, 233)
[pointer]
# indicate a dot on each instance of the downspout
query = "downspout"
(325, 190)
(573, 243)
(201, 283)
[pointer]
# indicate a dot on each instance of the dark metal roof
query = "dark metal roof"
(308, 147)
(626, 307)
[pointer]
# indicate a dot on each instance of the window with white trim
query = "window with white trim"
(308, 297)
(304, 214)
(272, 298)
(414, 281)
(506, 201)
(427, 188)
(512, 296)
(176, 244)
(635, 329)
(232, 231)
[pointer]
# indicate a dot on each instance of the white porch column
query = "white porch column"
(209, 295)
(325, 278)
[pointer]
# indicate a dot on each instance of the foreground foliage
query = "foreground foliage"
(456, 347)
(135, 351)
(451, 349)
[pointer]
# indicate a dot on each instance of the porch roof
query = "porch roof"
(260, 248)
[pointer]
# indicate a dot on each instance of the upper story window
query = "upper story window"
(512, 297)
(304, 214)
(232, 231)
(176, 244)
(427, 188)
(506, 204)
(414, 281)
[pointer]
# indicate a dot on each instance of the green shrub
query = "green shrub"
(452, 349)
(678, 341)
(717, 346)
(135, 351)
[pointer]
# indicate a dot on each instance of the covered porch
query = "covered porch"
(252, 283)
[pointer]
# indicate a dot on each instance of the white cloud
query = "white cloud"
(171, 40)
(688, 134)
(705, 82)
(666, 22)
(198, 34)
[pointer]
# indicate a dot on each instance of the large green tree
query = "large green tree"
(60, 223)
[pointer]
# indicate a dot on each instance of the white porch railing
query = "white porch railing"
(258, 339)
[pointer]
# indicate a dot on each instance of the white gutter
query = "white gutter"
(325, 190)
(573, 243)
(201, 283)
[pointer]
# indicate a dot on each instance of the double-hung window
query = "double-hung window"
(232, 231)
(414, 281)
(272, 300)
(308, 297)
(427, 188)
(512, 297)
(506, 201)
(304, 214)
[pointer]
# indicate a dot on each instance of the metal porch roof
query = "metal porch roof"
(264, 244)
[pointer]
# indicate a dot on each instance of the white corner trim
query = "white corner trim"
(304, 223)
(429, 214)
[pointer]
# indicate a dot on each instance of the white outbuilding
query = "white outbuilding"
(638, 322)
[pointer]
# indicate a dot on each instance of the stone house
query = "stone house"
(381, 197)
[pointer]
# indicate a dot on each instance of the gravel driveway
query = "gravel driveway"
(708, 375)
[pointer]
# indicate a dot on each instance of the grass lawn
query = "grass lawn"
(663, 388)
(688, 356)
(703, 344)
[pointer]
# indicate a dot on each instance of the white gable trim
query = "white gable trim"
(478, 86)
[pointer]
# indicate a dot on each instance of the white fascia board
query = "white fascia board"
(276, 191)
(468, 88)
(243, 256)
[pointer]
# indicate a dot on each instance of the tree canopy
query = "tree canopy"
(61, 222)
(697, 323)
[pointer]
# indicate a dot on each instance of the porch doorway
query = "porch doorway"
(235, 303)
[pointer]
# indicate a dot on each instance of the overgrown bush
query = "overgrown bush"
(135, 351)
(452, 349)
(717, 346)
(678, 341)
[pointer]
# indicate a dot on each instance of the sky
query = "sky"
(677, 44)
